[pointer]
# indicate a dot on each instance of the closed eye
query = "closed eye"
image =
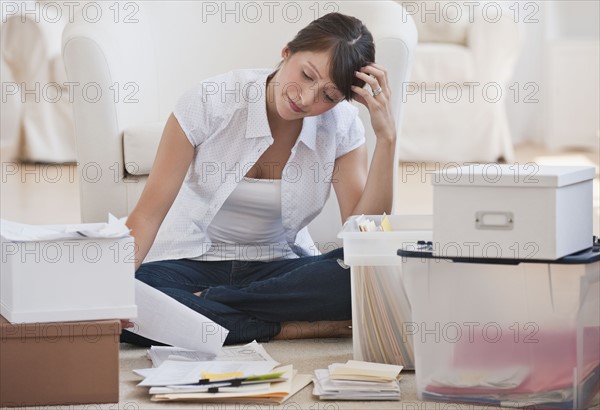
(328, 98)
(306, 76)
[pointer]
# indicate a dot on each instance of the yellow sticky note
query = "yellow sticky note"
(221, 376)
(385, 223)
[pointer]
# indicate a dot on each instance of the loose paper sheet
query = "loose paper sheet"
(249, 352)
(173, 372)
(18, 232)
(163, 319)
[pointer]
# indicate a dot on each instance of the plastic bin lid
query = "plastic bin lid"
(425, 251)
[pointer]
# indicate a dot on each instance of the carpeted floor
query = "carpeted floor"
(31, 200)
(306, 355)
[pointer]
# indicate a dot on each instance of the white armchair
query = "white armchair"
(465, 54)
(35, 103)
(146, 65)
(10, 112)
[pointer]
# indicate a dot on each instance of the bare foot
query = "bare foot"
(308, 330)
(126, 324)
(198, 293)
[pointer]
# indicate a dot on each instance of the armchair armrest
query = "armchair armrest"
(113, 82)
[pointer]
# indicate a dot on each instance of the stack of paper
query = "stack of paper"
(383, 310)
(511, 374)
(368, 225)
(236, 374)
(250, 352)
(18, 232)
(357, 380)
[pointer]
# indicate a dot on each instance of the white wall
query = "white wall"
(573, 19)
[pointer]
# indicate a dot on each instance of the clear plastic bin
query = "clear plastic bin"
(521, 334)
(380, 307)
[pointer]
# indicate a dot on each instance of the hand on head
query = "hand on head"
(377, 99)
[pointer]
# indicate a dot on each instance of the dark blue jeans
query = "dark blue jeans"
(250, 298)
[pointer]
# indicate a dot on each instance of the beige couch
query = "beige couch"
(465, 55)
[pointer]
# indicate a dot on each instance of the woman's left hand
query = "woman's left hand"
(378, 102)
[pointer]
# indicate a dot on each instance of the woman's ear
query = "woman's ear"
(285, 52)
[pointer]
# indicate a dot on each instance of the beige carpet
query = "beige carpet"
(306, 355)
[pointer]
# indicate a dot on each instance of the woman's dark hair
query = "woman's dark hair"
(349, 42)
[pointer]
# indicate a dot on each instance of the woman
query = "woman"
(245, 162)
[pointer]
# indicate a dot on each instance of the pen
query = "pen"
(215, 389)
(240, 381)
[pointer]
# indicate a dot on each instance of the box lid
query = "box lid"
(528, 175)
(424, 250)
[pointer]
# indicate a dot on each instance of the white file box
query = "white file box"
(511, 211)
(380, 306)
(67, 279)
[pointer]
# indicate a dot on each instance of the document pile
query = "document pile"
(385, 310)
(241, 374)
(357, 380)
(508, 374)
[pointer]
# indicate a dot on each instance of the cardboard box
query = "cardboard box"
(67, 280)
(44, 364)
(512, 211)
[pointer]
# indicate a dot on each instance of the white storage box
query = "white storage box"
(511, 211)
(515, 335)
(379, 303)
(77, 278)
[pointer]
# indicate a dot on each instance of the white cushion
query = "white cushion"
(442, 63)
(440, 21)
(140, 143)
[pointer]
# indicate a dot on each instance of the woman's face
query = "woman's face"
(302, 87)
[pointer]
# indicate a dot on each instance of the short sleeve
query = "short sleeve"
(351, 139)
(193, 112)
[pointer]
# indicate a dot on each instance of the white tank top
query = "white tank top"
(248, 226)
